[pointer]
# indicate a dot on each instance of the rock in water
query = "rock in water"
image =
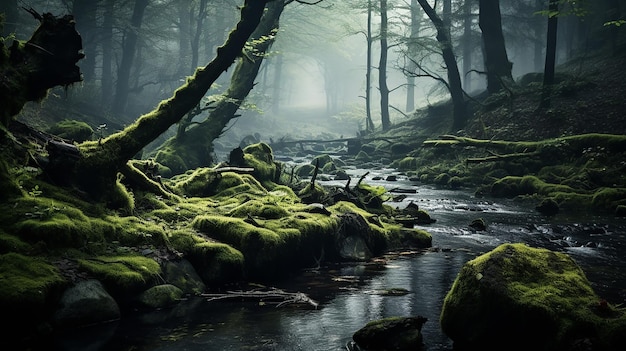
(394, 333)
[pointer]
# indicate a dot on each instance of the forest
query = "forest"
(156, 152)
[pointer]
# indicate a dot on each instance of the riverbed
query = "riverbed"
(350, 294)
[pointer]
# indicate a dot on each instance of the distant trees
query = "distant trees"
(382, 68)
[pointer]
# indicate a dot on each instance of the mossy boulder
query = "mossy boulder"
(393, 333)
(78, 131)
(260, 157)
(160, 296)
(217, 263)
(520, 298)
(183, 275)
(122, 275)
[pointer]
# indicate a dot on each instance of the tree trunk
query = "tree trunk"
(96, 171)
(184, 36)
(195, 145)
(496, 61)
(128, 55)
(46, 60)
(195, 42)
(548, 73)
(454, 79)
(84, 12)
(107, 55)
(412, 50)
(467, 45)
(382, 68)
(9, 8)
(369, 123)
(278, 81)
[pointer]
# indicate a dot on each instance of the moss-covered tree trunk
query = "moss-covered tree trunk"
(95, 172)
(48, 59)
(194, 145)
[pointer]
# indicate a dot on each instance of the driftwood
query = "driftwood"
(273, 296)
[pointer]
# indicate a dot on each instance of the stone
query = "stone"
(86, 303)
(394, 333)
(516, 297)
(160, 296)
(183, 275)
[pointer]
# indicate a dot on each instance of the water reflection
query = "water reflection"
(597, 244)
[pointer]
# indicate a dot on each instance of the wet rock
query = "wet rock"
(537, 297)
(160, 296)
(182, 274)
(478, 224)
(392, 178)
(341, 175)
(548, 207)
(395, 333)
(86, 303)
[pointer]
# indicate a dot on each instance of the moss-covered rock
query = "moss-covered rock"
(160, 296)
(532, 299)
(217, 263)
(393, 333)
(122, 275)
(78, 131)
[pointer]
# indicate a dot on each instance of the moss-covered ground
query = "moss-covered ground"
(230, 226)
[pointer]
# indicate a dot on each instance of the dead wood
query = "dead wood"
(272, 296)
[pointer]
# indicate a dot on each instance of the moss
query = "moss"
(78, 131)
(406, 164)
(305, 170)
(260, 157)
(217, 263)
(363, 157)
(11, 243)
(199, 182)
(512, 186)
(321, 161)
(518, 290)
(312, 193)
(161, 296)
(171, 160)
(609, 198)
(122, 274)
(259, 209)
(26, 283)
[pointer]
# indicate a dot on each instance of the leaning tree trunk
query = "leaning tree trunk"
(95, 172)
(454, 79)
(195, 144)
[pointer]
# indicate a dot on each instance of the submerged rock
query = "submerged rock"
(521, 298)
(394, 333)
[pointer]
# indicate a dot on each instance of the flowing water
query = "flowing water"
(348, 294)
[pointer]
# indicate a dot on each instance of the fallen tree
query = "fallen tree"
(96, 171)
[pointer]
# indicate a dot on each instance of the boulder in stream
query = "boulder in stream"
(394, 333)
(521, 298)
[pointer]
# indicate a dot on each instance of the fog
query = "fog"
(311, 83)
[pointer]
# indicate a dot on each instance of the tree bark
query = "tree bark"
(497, 63)
(369, 123)
(467, 45)
(46, 60)
(548, 73)
(196, 142)
(107, 54)
(454, 79)
(96, 172)
(128, 55)
(382, 68)
(84, 12)
(412, 50)
(195, 42)
(9, 8)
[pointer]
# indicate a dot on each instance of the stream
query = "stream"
(348, 293)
